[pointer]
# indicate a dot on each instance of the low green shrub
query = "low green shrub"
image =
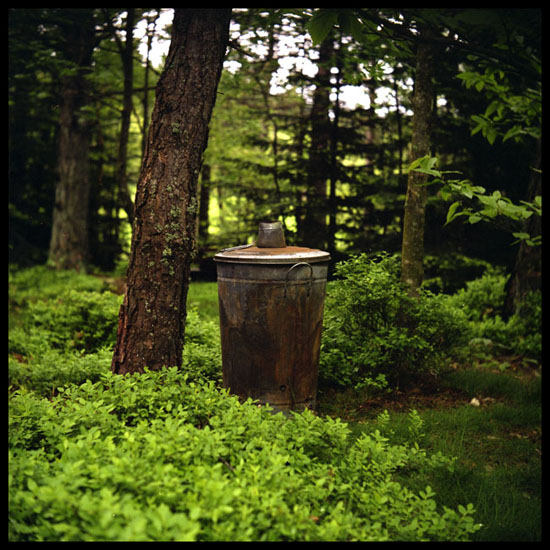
(43, 357)
(72, 321)
(201, 357)
(51, 368)
(42, 282)
(526, 324)
(375, 333)
(155, 457)
(482, 301)
(482, 297)
(82, 320)
(62, 335)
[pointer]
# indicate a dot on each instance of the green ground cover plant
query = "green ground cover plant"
(156, 457)
(171, 456)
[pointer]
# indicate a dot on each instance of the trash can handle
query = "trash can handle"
(299, 264)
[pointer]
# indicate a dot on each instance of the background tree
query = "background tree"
(32, 152)
(262, 136)
(412, 251)
(69, 239)
(126, 50)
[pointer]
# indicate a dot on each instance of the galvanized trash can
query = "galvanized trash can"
(271, 299)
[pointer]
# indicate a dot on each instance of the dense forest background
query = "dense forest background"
(314, 133)
(406, 142)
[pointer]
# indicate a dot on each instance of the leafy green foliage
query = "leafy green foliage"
(76, 319)
(487, 206)
(156, 457)
(52, 368)
(41, 282)
(509, 114)
(61, 335)
(168, 455)
(324, 19)
(482, 301)
(202, 351)
(483, 296)
(375, 333)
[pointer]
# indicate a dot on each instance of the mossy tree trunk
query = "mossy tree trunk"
(412, 252)
(152, 316)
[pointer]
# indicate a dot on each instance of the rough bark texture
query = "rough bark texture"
(412, 253)
(152, 316)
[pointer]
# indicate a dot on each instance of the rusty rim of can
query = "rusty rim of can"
(288, 254)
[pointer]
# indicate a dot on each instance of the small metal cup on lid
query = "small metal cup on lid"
(271, 300)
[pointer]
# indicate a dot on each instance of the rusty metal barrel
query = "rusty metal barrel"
(271, 300)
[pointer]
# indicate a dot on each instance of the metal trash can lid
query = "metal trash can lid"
(270, 248)
(251, 254)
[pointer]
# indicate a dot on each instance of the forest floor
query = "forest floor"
(428, 392)
(487, 414)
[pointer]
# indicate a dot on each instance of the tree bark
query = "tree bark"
(152, 316)
(315, 223)
(145, 100)
(69, 245)
(204, 208)
(526, 275)
(126, 55)
(412, 252)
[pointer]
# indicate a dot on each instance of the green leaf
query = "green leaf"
(512, 132)
(451, 212)
(492, 134)
(356, 29)
(320, 24)
(521, 236)
(425, 165)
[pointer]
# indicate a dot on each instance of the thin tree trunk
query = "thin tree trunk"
(315, 224)
(152, 316)
(333, 208)
(126, 54)
(145, 101)
(204, 210)
(69, 245)
(412, 253)
(527, 273)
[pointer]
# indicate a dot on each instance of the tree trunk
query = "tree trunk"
(152, 316)
(527, 273)
(412, 253)
(204, 209)
(69, 239)
(332, 201)
(315, 223)
(126, 55)
(145, 100)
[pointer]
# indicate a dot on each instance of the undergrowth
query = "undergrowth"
(169, 455)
